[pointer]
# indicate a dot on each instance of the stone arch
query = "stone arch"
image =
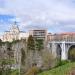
(58, 51)
(71, 53)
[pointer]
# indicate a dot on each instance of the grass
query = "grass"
(15, 72)
(61, 70)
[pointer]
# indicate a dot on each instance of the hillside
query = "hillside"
(61, 70)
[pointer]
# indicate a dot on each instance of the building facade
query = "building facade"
(69, 36)
(39, 34)
(14, 34)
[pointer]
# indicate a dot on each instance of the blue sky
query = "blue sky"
(54, 15)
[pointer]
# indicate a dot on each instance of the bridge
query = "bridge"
(60, 49)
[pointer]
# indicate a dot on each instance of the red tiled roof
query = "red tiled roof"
(67, 33)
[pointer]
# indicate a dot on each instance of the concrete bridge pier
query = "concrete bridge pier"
(63, 52)
(54, 49)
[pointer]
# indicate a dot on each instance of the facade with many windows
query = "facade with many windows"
(61, 37)
(39, 34)
(15, 34)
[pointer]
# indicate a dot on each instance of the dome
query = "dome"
(14, 28)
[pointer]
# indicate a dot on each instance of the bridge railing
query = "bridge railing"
(68, 42)
(71, 40)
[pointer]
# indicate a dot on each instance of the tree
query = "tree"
(72, 54)
(0, 42)
(48, 60)
(10, 55)
(30, 43)
(39, 44)
(9, 50)
(23, 56)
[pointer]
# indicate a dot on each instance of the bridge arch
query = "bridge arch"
(71, 53)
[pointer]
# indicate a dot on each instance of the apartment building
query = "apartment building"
(67, 36)
(39, 34)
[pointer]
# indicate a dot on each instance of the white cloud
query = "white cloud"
(50, 12)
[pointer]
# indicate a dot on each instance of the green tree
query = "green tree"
(30, 43)
(9, 51)
(39, 44)
(0, 42)
(48, 60)
(23, 56)
(72, 54)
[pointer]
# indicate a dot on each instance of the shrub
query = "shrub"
(33, 71)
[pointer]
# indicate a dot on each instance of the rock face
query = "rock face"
(29, 58)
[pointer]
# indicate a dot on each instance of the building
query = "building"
(50, 37)
(67, 36)
(14, 34)
(23, 35)
(39, 34)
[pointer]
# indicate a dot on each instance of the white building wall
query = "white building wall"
(23, 35)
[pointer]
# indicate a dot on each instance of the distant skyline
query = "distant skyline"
(55, 15)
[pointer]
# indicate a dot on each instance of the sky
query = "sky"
(55, 15)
